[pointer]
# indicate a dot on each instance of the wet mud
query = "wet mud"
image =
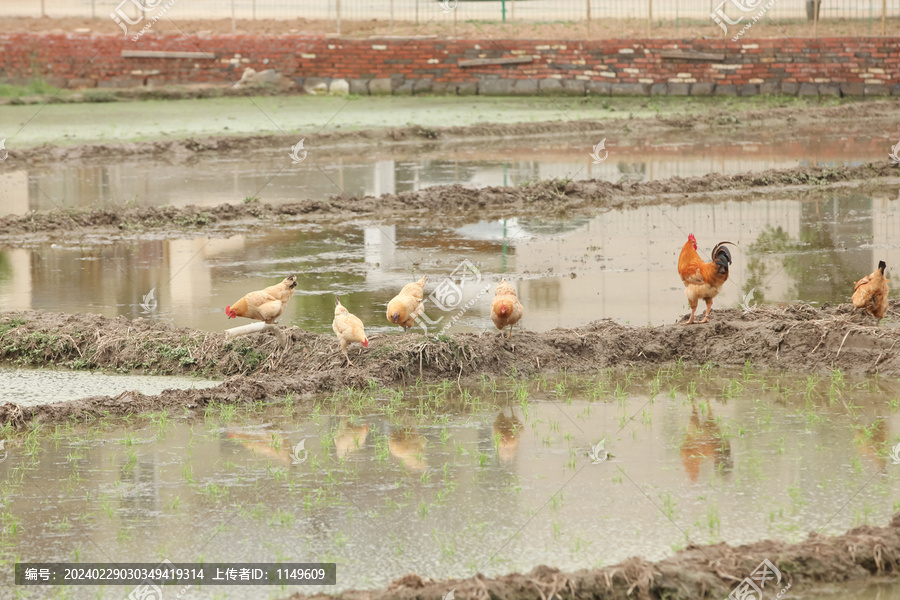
(696, 572)
(796, 338)
(454, 204)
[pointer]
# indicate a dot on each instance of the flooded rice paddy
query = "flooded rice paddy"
(206, 180)
(618, 264)
(28, 387)
(445, 481)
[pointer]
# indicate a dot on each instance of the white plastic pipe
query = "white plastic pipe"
(245, 329)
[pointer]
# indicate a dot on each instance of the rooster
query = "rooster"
(871, 292)
(348, 328)
(406, 306)
(264, 305)
(702, 280)
(506, 308)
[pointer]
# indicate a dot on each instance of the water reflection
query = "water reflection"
(703, 441)
(507, 431)
(618, 264)
(212, 180)
(434, 494)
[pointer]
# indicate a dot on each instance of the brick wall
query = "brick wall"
(831, 66)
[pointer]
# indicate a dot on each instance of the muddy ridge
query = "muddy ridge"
(718, 122)
(711, 571)
(794, 338)
(453, 201)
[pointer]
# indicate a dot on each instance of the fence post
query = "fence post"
(512, 10)
(816, 18)
(588, 17)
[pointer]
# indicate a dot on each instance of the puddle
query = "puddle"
(29, 387)
(269, 175)
(498, 478)
(619, 264)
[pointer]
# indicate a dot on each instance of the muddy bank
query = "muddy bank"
(794, 338)
(714, 119)
(455, 203)
(696, 572)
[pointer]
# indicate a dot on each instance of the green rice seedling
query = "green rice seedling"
(585, 413)
(668, 504)
(654, 386)
(732, 389)
(284, 518)
(521, 392)
(214, 491)
(712, 518)
(339, 541)
(556, 501)
(32, 442)
(128, 467)
(187, 473)
(106, 505)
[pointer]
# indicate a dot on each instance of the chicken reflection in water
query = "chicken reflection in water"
(703, 440)
(409, 447)
(270, 445)
(349, 438)
(507, 431)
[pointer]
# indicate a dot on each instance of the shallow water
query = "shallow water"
(617, 264)
(499, 480)
(269, 175)
(29, 387)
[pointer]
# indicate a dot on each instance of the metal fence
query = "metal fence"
(482, 10)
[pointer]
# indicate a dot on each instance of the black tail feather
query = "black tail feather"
(721, 255)
(881, 266)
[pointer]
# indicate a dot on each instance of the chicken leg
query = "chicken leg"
(344, 352)
(693, 310)
(708, 308)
